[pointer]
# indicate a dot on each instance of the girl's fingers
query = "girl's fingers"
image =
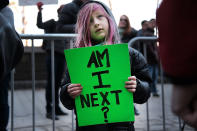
(74, 90)
(132, 78)
(131, 90)
(130, 82)
(70, 90)
(130, 86)
(75, 93)
(73, 85)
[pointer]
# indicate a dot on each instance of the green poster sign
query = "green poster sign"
(102, 72)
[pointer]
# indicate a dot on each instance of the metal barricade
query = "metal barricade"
(130, 44)
(51, 37)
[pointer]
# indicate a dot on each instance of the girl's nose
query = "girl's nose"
(96, 22)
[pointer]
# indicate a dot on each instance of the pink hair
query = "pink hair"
(83, 21)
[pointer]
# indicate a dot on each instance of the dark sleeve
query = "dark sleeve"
(11, 47)
(44, 25)
(39, 20)
(67, 19)
(66, 100)
(139, 68)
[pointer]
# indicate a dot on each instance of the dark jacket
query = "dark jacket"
(50, 27)
(139, 68)
(11, 47)
(68, 17)
(3, 3)
(151, 47)
(127, 37)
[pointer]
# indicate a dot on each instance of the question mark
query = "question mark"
(105, 110)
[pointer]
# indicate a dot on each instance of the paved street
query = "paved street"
(23, 113)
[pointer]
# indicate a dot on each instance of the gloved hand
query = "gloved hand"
(39, 5)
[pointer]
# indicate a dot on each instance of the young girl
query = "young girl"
(96, 26)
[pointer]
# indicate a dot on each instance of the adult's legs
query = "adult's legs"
(154, 72)
(48, 87)
(59, 68)
(60, 65)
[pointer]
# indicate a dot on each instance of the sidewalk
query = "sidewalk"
(23, 113)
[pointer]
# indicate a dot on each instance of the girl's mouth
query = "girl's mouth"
(98, 30)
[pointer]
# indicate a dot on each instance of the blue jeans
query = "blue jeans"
(154, 71)
(4, 107)
(60, 64)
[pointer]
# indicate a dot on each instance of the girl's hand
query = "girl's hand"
(131, 84)
(74, 90)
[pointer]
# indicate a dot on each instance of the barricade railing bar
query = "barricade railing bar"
(48, 36)
(53, 37)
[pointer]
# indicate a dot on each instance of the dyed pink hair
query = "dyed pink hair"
(83, 22)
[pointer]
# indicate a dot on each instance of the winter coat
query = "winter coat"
(127, 37)
(11, 47)
(68, 17)
(152, 55)
(151, 48)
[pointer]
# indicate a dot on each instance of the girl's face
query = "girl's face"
(99, 26)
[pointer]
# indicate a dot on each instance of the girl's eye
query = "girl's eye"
(100, 16)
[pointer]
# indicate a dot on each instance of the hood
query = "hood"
(78, 2)
(107, 10)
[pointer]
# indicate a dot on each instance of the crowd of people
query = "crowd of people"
(145, 69)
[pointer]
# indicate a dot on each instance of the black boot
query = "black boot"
(58, 111)
(50, 116)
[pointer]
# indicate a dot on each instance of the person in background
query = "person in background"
(126, 34)
(50, 27)
(68, 17)
(11, 52)
(98, 23)
(152, 25)
(152, 56)
(178, 53)
(139, 44)
(144, 25)
(125, 30)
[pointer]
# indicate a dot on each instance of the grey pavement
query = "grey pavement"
(23, 113)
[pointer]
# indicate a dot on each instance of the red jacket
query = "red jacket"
(177, 26)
